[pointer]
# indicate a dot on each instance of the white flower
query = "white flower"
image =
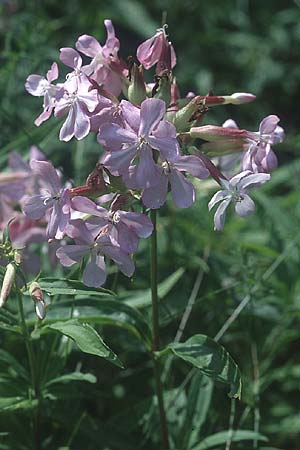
(235, 190)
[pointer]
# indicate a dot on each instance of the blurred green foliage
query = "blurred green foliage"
(232, 46)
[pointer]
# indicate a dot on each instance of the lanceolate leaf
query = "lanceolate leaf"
(53, 286)
(87, 339)
(111, 312)
(222, 437)
(74, 376)
(211, 358)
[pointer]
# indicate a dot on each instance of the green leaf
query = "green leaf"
(141, 299)
(53, 286)
(87, 339)
(74, 376)
(211, 358)
(110, 312)
(9, 360)
(222, 437)
(198, 405)
(15, 403)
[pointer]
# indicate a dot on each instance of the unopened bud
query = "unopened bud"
(40, 310)
(36, 292)
(163, 89)
(38, 298)
(8, 281)
(184, 116)
(137, 89)
(220, 148)
(239, 98)
(214, 133)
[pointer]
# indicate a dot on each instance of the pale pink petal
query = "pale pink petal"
(126, 238)
(122, 259)
(112, 136)
(168, 147)
(94, 274)
(131, 115)
(82, 122)
(193, 165)
(52, 74)
(35, 207)
(147, 172)
(148, 52)
(139, 223)
(87, 206)
(70, 57)
(119, 160)
(78, 230)
(154, 197)
(71, 254)
(152, 112)
(268, 124)
(68, 129)
(48, 175)
(35, 85)
(43, 117)
(88, 45)
(183, 192)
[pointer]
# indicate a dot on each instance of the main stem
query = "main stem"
(34, 379)
(155, 342)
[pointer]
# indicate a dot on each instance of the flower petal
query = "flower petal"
(88, 45)
(268, 124)
(35, 207)
(152, 112)
(147, 172)
(183, 192)
(71, 254)
(112, 136)
(139, 223)
(193, 165)
(220, 195)
(94, 274)
(48, 175)
(220, 214)
(155, 196)
(70, 57)
(245, 206)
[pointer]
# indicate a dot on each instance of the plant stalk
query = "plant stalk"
(156, 341)
(31, 359)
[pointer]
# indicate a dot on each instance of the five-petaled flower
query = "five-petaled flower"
(235, 190)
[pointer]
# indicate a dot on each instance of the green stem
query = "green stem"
(31, 359)
(155, 342)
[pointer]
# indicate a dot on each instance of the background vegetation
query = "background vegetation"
(253, 266)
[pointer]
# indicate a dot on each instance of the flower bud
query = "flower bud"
(220, 148)
(137, 89)
(214, 133)
(239, 98)
(163, 89)
(184, 116)
(38, 298)
(8, 281)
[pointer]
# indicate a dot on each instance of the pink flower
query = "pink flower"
(260, 156)
(42, 87)
(152, 50)
(53, 197)
(183, 191)
(98, 248)
(124, 228)
(105, 67)
(77, 101)
(146, 131)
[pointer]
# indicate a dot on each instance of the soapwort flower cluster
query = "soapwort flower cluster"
(152, 141)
